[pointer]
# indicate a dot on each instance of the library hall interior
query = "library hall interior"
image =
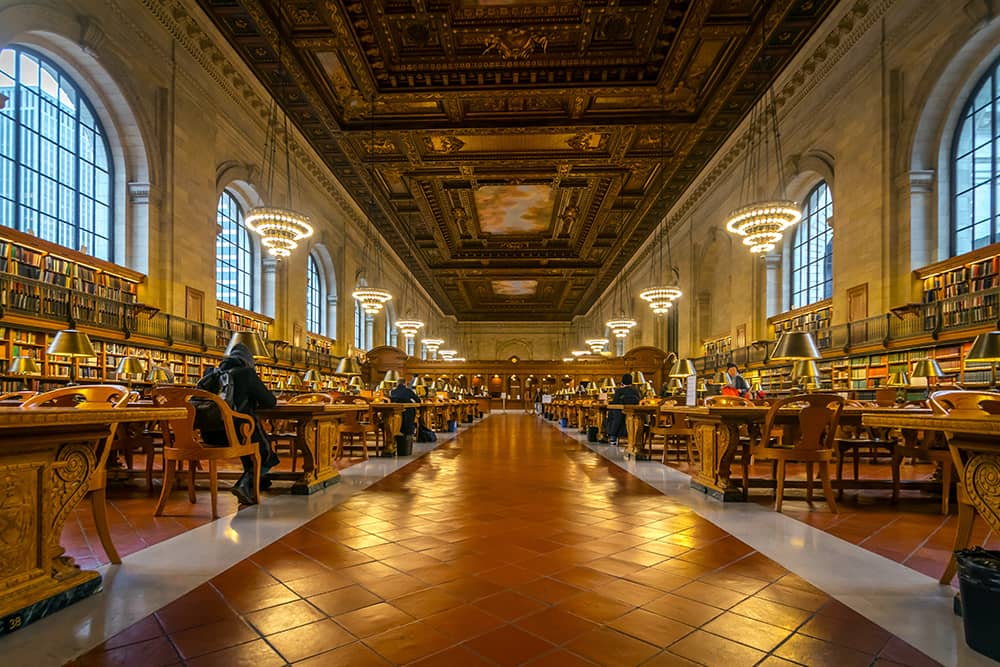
(499, 332)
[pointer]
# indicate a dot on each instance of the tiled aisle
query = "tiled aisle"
(510, 545)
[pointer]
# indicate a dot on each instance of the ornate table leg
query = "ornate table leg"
(633, 425)
(717, 445)
(392, 423)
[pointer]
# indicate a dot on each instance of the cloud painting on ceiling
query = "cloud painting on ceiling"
(514, 287)
(514, 209)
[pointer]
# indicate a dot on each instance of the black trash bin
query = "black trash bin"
(979, 583)
(592, 434)
(404, 445)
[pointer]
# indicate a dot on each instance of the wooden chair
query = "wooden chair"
(183, 442)
(851, 440)
(282, 437)
(813, 441)
(359, 425)
(83, 397)
(674, 431)
(968, 405)
(21, 396)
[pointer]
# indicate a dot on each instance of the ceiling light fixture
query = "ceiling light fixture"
(762, 221)
(280, 228)
(372, 299)
(596, 345)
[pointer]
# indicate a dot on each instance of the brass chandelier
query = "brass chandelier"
(661, 295)
(762, 222)
(280, 228)
(596, 345)
(372, 299)
(409, 326)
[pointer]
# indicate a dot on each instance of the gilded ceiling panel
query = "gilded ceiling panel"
(516, 136)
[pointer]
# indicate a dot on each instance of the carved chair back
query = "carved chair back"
(17, 395)
(970, 404)
(181, 434)
(818, 417)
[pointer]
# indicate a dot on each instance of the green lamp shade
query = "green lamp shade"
(130, 366)
(348, 366)
(986, 347)
(805, 369)
(795, 345)
(898, 379)
(682, 369)
(927, 368)
(24, 366)
(253, 342)
(71, 343)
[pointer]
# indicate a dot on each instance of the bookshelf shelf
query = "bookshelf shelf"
(965, 288)
(815, 318)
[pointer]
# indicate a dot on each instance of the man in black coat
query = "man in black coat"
(626, 394)
(403, 394)
(249, 394)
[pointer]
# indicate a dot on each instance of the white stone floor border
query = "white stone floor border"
(911, 605)
(157, 575)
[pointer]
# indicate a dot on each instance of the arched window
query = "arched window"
(233, 255)
(812, 259)
(315, 297)
(359, 327)
(55, 166)
(975, 177)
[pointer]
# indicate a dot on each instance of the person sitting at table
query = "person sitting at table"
(248, 394)
(403, 394)
(626, 394)
(736, 384)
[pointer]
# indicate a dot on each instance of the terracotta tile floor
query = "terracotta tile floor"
(912, 532)
(130, 515)
(509, 545)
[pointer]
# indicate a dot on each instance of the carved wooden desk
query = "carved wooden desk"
(717, 437)
(391, 415)
(317, 431)
(47, 456)
(635, 422)
(975, 449)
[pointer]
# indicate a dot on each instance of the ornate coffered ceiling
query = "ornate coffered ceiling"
(522, 150)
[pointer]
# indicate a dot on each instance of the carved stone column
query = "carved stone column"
(268, 285)
(923, 245)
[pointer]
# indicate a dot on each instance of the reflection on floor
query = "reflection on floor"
(912, 532)
(130, 514)
(512, 544)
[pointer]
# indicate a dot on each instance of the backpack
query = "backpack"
(207, 416)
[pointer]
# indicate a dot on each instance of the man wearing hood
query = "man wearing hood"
(249, 394)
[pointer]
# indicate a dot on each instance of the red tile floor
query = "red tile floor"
(511, 544)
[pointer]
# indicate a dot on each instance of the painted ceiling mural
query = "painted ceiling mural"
(516, 141)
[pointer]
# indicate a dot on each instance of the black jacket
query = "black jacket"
(249, 394)
(615, 425)
(403, 394)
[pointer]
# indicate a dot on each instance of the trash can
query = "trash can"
(404, 445)
(591, 434)
(452, 426)
(563, 422)
(979, 584)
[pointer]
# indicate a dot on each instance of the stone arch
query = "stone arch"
(923, 164)
(235, 177)
(328, 268)
(512, 347)
(78, 45)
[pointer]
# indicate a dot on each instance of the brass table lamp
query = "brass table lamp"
(24, 366)
(160, 375)
(253, 341)
(927, 368)
(795, 345)
(73, 344)
(348, 366)
(986, 347)
(131, 368)
(682, 369)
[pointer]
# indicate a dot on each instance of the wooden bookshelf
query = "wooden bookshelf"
(720, 346)
(54, 282)
(230, 318)
(815, 318)
(975, 276)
